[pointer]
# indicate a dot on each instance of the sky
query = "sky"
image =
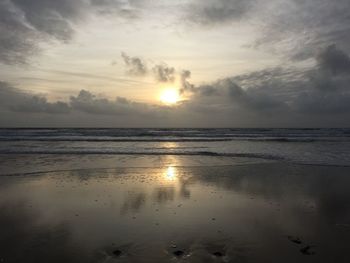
(184, 63)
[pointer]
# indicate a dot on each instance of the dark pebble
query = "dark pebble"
(295, 240)
(178, 253)
(218, 254)
(117, 253)
(306, 251)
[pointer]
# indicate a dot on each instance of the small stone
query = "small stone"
(179, 253)
(117, 253)
(218, 254)
(295, 240)
(306, 251)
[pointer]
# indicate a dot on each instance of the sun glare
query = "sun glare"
(169, 96)
(170, 173)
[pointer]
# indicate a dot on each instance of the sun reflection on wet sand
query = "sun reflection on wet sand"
(192, 214)
(170, 173)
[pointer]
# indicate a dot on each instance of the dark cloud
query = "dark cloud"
(334, 60)
(292, 28)
(17, 39)
(317, 103)
(15, 100)
(18, 108)
(90, 103)
(297, 28)
(286, 91)
(161, 72)
(25, 24)
(135, 65)
(164, 73)
(40, 104)
(53, 18)
(186, 86)
(230, 95)
(209, 12)
(18, 101)
(124, 9)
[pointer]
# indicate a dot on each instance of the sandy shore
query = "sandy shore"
(169, 209)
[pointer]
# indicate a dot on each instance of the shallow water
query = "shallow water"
(222, 213)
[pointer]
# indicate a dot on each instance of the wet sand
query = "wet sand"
(175, 210)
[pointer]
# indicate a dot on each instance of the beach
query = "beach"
(164, 207)
(192, 131)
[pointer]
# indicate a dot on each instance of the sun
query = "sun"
(169, 96)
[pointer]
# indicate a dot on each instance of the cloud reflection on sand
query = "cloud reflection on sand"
(211, 214)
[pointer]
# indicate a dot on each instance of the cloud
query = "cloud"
(90, 103)
(53, 18)
(15, 100)
(163, 73)
(135, 65)
(228, 94)
(19, 101)
(291, 28)
(211, 12)
(83, 108)
(288, 91)
(334, 60)
(186, 86)
(125, 9)
(17, 40)
(40, 104)
(296, 28)
(25, 24)
(280, 96)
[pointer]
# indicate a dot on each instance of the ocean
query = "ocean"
(297, 146)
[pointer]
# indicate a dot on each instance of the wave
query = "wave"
(99, 152)
(147, 132)
(82, 139)
(325, 146)
(167, 139)
(266, 157)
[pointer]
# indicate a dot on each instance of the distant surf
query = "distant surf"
(307, 146)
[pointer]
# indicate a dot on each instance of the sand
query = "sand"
(172, 209)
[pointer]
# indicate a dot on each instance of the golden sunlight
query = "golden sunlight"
(170, 173)
(170, 96)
